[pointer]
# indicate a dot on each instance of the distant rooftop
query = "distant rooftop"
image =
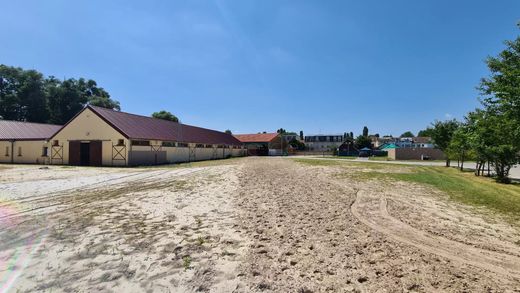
(258, 137)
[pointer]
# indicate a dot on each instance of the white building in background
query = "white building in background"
(323, 142)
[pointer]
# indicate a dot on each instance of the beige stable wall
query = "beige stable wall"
(177, 154)
(238, 152)
(88, 126)
(182, 154)
(3, 157)
(202, 154)
(31, 152)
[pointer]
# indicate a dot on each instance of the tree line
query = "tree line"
(27, 95)
(490, 134)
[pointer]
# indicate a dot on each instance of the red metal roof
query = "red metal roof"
(17, 130)
(141, 127)
(259, 137)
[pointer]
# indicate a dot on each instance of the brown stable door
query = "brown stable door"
(74, 153)
(85, 153)
(95, 153)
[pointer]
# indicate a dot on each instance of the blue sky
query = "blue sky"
(251, 66)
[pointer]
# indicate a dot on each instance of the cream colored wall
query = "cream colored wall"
(88, 126)
(182, 154)
(31, 152)
(3, 157)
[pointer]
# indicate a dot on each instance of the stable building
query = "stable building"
(261, 144)
(24, 142)
(103, 137)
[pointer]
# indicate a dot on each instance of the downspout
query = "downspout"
(129, 152)
(12, 151)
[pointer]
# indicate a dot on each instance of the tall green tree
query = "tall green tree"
(26, 95)
(407, 134)
(426, 132)
(165, 115)
(442, 132)
(363, 142)
(365, 131)
(460, 145)
(501, 100)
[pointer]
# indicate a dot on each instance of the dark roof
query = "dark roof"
(422, 139)
(142, 127)
(259, 137)
(17, 130)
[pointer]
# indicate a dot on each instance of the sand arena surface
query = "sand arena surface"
(247, 225)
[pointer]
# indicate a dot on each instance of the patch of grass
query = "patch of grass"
(186, 262)
(463, 187)
(317, 162)
(200, 241)
(380, 159)
(207, 163)
(348, 163)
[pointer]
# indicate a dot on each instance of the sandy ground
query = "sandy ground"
(119, 230)
(256, 224)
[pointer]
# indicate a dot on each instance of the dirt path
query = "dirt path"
(311, 233)
(374, 213)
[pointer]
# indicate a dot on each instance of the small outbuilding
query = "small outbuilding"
(261, 144)
(24, 142)
(348, 149)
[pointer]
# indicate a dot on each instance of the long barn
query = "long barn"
(102, 137)
(26, 143)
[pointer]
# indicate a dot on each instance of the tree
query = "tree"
(442, 134)
(365, 131)
(501, 100)
(408, 134)
(26, 95)
(426, 132)
(301, 135)
(363, 142)
(165, 115)
(22, 95)
(460, 146)
(297, 144)
(228, 131)
(351, 135)
(281, 131)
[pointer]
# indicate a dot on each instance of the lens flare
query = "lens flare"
(16, 247)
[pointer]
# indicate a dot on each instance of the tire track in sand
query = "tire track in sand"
(373, 212)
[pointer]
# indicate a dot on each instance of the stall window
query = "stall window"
(7, 151)
(45, 151)
(56, 143)
(168, 144)
(141, 142)
(19, 151)
(199, 145)
(182, 145)
(120, 142)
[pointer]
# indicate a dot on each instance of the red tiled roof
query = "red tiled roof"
(141, 127)
(17, 130)
(260, 137)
